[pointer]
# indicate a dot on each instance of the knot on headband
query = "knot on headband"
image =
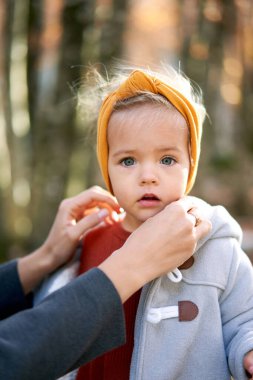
(139, 81)
(135, 83)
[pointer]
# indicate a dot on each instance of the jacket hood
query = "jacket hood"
(223, 224)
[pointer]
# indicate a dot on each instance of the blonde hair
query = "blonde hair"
(96, 88)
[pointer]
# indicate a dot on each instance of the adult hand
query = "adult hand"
(160, 244)
(74, 218)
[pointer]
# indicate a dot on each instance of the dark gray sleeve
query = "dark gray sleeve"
(70, 327)
(12, 298)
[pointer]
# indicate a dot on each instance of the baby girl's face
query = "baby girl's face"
(148, 160)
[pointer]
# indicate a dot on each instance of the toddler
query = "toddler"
(196, 322)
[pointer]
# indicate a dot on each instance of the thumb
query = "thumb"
(90, 221)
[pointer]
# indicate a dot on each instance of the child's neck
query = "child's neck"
(129, 224)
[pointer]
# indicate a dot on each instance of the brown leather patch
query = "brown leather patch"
(187, 311)
(187, 264)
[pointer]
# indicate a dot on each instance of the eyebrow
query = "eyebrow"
(132, 151)
(123, 152)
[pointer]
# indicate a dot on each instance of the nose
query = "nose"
(148, 175)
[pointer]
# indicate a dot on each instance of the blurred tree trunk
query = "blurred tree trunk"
(213, 53)
(112, 29)
(110, 21)
(7, 207)
(245, 32)
(54, 66)
(56, 59)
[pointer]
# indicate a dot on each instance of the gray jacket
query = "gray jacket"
(202, 326)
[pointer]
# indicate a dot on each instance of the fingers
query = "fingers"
(194, 214)
(95, 196)
(185, 207)
(84, 211)
(203, 228)
(195, 220)
(186, 203)
(88, 222)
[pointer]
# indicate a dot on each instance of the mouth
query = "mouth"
(149, 200)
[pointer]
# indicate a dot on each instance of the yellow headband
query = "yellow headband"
(139, 81)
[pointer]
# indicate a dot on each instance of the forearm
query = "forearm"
(12, 297)
(124, 273)
(35, 267)
(86, 315)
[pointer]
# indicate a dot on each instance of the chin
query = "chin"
(148, 215)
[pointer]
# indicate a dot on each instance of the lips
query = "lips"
(149, 197)
(149, 200)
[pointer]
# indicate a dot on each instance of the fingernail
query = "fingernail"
(103, 213)
(115, 216)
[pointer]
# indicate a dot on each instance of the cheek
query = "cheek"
(186, 172)
(184, 182)
(117, 182)
(117, 188)
(122, 195)
(178, 182)
(184, 179)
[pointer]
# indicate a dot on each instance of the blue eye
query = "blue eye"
(167, 160)
(128, 161)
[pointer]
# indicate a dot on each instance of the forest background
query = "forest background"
(46, 149)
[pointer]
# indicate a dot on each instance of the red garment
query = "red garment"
(114, 365)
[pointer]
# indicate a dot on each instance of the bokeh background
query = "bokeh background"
(46, 149)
